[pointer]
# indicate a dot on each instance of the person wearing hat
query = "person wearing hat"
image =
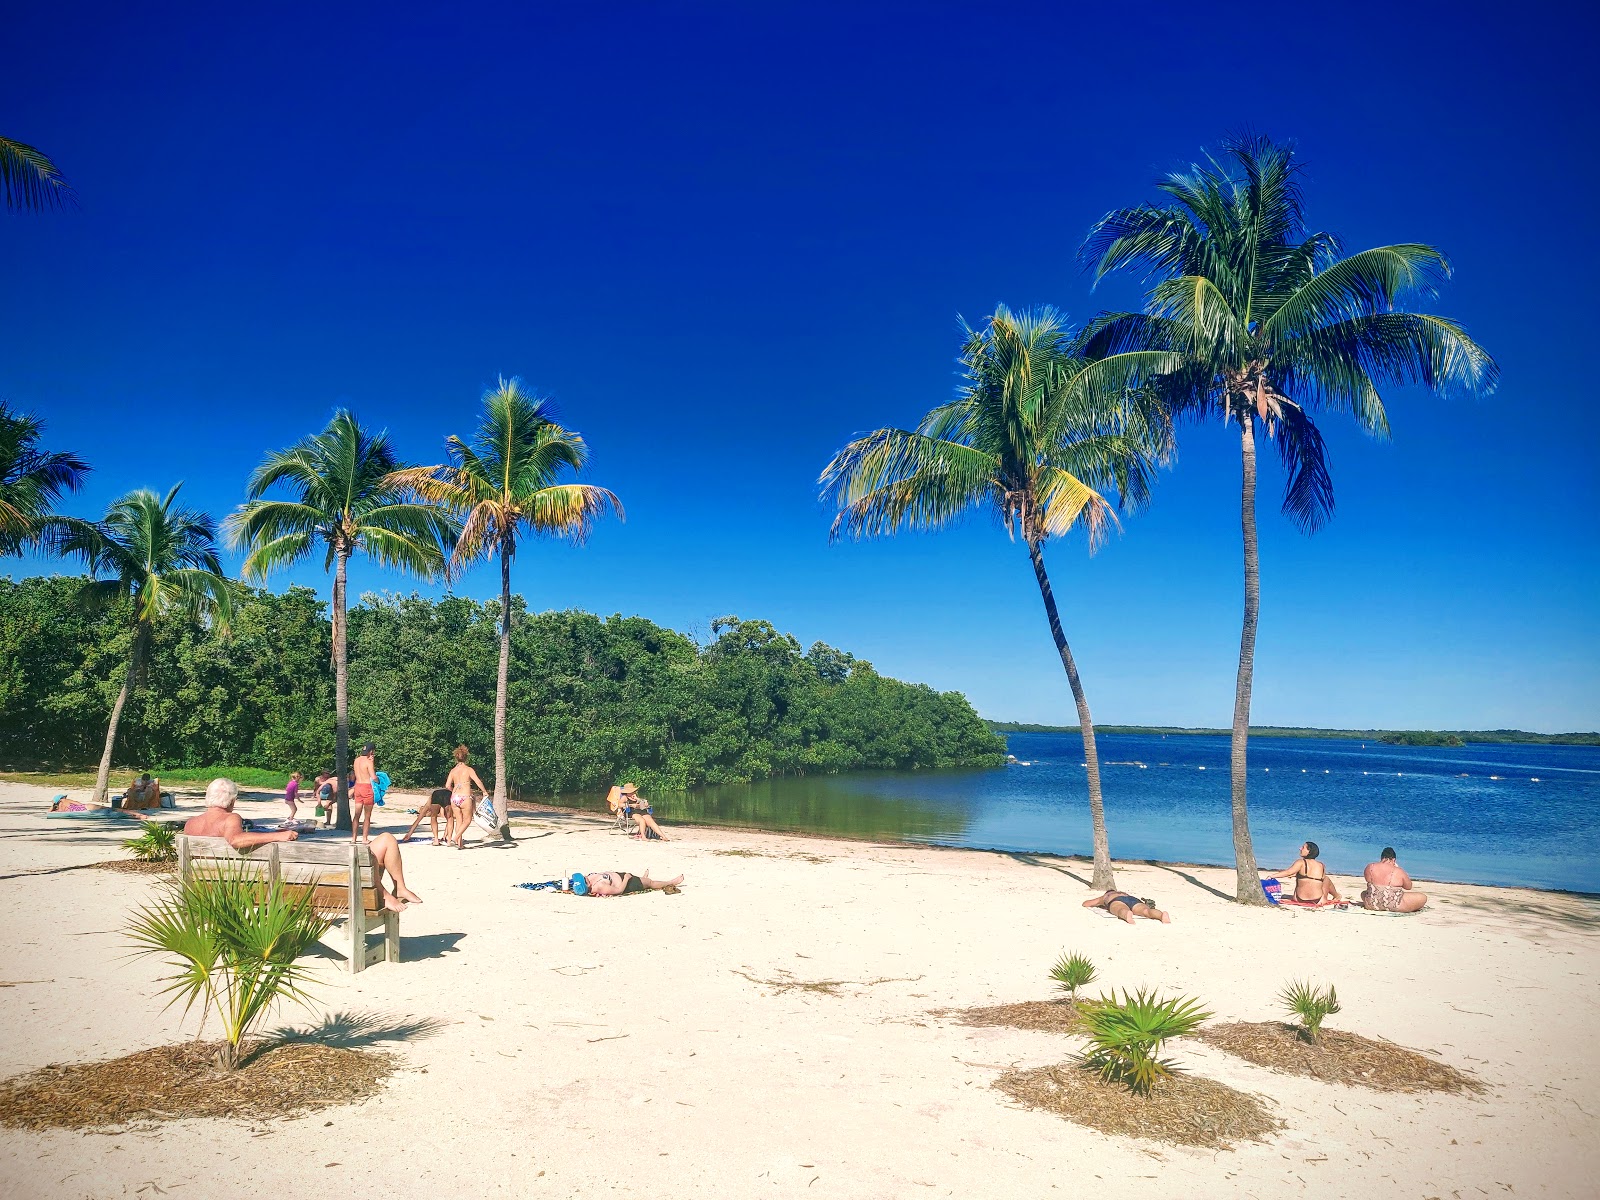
(637, 807)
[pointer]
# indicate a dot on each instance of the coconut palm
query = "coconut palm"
(29, 180)
(31, 481)
(344, 499)
(1039, 435)
(162, 561)
(1273, 322)
(504, 484)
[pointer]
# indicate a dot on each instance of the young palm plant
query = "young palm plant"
(157, 842)
(505, 483)
(1311, 1004)
(1073, 971)
(159, 559)
(31, 481)
(344, 498)
(1127, 1034)
(1040, 433)
(234, 943)
(1272, 322)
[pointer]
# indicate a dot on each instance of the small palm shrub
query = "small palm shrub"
(1311, 1005)
(234, 942)
(157, 843)
(1071, 972)
(1126, 1035)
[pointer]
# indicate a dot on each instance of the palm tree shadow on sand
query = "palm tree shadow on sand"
(353, 1030)
(1184, 875)
(1031, 861)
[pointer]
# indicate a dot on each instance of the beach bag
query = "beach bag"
(486, 818)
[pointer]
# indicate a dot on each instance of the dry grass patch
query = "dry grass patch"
(1047, 1016)
(133, 866)
(1339, 1057)
(172, 1083)
(786, 982)
(1185, 1110)
(743, 853)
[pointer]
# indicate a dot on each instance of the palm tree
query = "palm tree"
(346, 500)
(31, 481)
(503, 484)
(1273, 321)
(1037, 435)
(162, 560)
(29, 180)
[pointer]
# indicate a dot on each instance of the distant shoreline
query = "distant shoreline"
(1408, 737)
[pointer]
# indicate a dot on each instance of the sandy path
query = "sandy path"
(628, 1053)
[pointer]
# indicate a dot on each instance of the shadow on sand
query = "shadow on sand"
(1049, 864)
(353, 1030)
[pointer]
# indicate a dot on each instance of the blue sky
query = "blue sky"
(727, 237)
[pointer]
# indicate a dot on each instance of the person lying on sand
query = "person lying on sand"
(68, 804)
(1126, 907)
(219, 820)
(1311, 882)
(1389, 887)
(617, 883)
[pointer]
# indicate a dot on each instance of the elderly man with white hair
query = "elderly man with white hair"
(219, 820)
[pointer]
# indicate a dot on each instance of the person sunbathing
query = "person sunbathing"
(1312, 884)
(219, 820)
(1125, 907)
(1389, 887)
(617, 883)
(68, 804)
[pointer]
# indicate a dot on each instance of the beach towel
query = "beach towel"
(380, 785)
(1272, 888)
(1311, 906)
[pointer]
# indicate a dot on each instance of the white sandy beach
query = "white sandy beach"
(616, 1047)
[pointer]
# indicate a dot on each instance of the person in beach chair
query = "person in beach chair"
(1125, 907)
(627, 799)
(1312, 884)
(437, 806)
(1389, 887)
(143, 793)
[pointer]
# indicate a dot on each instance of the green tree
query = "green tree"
(345, 499)
(1273, 322)
(31, 481)
(502, 484)
(29, 180)
(162, 562)
(1038, 435)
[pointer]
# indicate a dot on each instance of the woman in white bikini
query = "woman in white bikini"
(460, 781)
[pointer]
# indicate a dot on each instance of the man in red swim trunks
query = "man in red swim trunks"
(362, 797)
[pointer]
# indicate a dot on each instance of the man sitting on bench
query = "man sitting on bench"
(219, 820)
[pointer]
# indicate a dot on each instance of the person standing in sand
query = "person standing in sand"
(460, 781)
(362, 796)
(1389, 887)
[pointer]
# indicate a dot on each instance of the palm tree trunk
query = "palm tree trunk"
(1247, 886)
(1097, 814)
(102, 779)
(341, 693)
(502, 685)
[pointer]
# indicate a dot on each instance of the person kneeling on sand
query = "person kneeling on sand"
(219, 820)
(1389, 887)
(617, 883)
(1126, 907)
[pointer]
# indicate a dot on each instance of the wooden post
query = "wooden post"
(358, 914)
(391, 935)
(183, 858)
(272, 866)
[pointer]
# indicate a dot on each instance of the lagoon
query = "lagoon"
(1496, 814)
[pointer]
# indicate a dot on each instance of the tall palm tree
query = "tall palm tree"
(29, 180)
(162, 560)
(1272, 322)
(501, 485)
(31, 481)
(1038, 435)
(345, 499)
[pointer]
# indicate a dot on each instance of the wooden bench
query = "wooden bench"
(338, 874)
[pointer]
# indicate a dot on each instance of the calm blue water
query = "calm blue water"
(1536, 825)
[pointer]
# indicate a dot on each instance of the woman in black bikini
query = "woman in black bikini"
(621, 883)
(1126, 907)
(1311, 882)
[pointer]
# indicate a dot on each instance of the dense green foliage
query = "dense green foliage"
(592, 700)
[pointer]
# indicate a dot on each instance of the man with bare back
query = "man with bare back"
(363, 797)
(219, 820)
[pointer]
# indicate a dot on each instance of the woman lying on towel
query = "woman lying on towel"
(607, 883)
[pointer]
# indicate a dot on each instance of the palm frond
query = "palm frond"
(1362, 284)
(29, 181)
(1308, 487)
(893, 478)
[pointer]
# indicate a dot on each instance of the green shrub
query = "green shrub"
(158, 843)
(1127, 1035)
(234, 942)
(1311, 1004)
(1071, 972)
